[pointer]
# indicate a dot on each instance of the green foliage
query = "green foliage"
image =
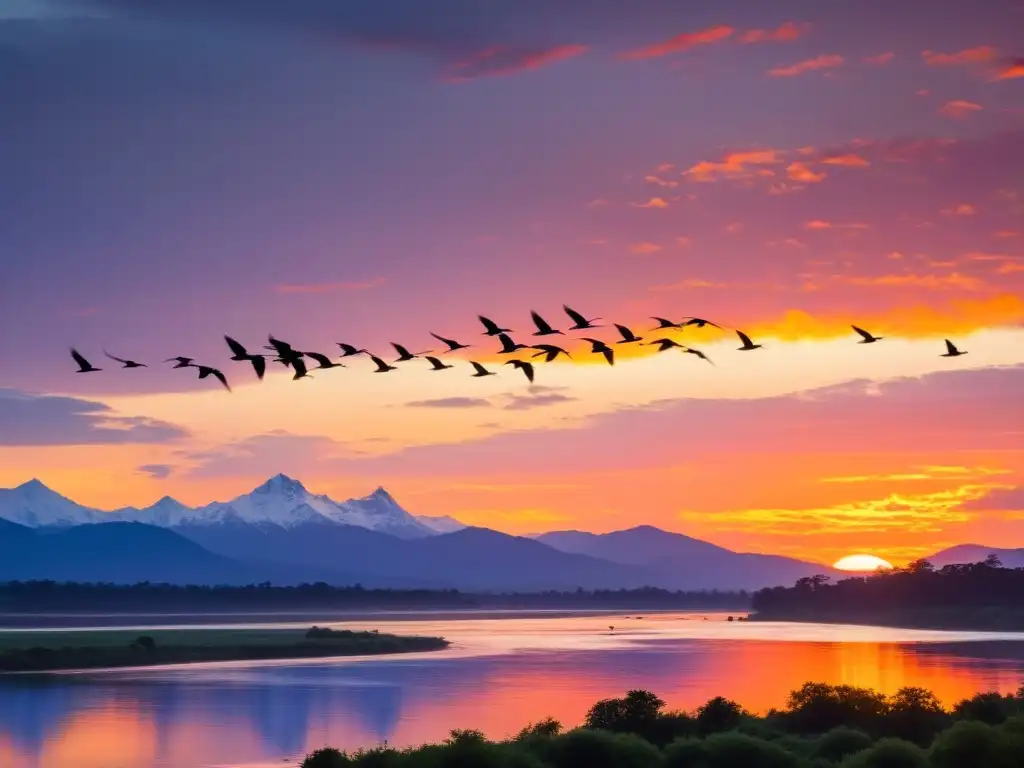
(818, 707)
(543, 729)
(737, 750)
(582, 748)
(992, 708)
(915, 715)
(326, 757)
(717, 715)
(841, 742)
(889, 753)
(686, 753)
(969, 744)
(637, 712)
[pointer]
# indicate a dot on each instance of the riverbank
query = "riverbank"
(982, 619)
(51, 651)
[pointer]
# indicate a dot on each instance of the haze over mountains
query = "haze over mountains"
(283, 533)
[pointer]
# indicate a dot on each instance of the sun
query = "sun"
(861, 563)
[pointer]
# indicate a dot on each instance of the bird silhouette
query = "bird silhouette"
(598, 347)
(382, 367)
(508, 346)
(452, 344)
(206, 371)
(125, 363)
(543, 327)
(525, 367)
(286, 355)
(347, 350)
(700, 322)
(299, 366)
(664, 324)
(550, 352)
(323, 361)
(480, 370)
(951, 350)
(241, 354)
(492, 328)
(628, 337)
(181, 362)
(698, 353)
(866, 338)
(436, 364)
(404, 355)
(580, 323)
(664, 344)
(84, 366)
(747, 343)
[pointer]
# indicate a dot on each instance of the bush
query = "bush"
(915, 715)
(970, 743)
(326, 757)
(717, 715)
(145, 642)
(889, 753)
(545, 728)
(378, 757)
(737, 750)
(819, 707)
(686, 753)
(841, 742)
(583, 748)
(992, 708)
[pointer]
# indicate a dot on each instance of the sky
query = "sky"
(370, 172)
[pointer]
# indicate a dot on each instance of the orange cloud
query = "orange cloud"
(654, 202)
(507, 60)
(801, 172)
(328, 287)
(734, 165)
(808, 65)
(935, 282)
(652, 179)
(680, 43)
(784, 33)
(847, 161)
(1010, 70)
(978, 55)
(959, 109)
(1005, 234)
(818, 224)
(645, 247)
(881, 59)
(964, 209)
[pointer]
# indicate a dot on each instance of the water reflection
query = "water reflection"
(501, 675)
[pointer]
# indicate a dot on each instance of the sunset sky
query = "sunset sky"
(368, 172)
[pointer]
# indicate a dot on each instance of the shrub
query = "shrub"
(915, 715)
(841, 742)
(819, 707)
(145, 642)
(717, 715)
(545, 728)
(378, 757)
(889, 753)
(737, 750)
(326, 757)
(992, 708)
(686, 753)
(970, 743)
(583, 748)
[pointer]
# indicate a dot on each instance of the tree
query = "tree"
(717, 715)
(636, 713)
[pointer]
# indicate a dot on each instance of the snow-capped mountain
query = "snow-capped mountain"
(35, 505)
(441, 524)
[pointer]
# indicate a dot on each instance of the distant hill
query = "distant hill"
(682, 562)
(976, 553)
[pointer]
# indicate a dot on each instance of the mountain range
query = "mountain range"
(283, 533)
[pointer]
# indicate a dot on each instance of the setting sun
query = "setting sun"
(861, 563)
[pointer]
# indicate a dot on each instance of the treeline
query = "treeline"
(50, 596)
(821, 726)
(971, 596)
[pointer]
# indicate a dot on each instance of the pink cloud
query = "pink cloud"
(846, 161)
(654, 202)
(802, 172)
(507, 60)
(1010, 70)
(734, 165)
(881, 59)
(645, 248)
(978, 55)
(785, 33)
(808, 65)
(959, 109)
(680, 43)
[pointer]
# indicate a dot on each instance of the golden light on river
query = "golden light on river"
(861, 563)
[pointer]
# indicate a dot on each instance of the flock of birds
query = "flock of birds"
(299, 362)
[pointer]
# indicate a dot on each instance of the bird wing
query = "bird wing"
(745, 339)
(402, 351)
(221, 378)
(698, 353)
(575, 316)
(299, 366)
(626, 334)
(479, 368)
(609, 355)
(490, 325)
(540, 322)
(527, 368)
(282, 348)
(381, 365)
(435, 362)
(867, 336)
(323, 360)
(259, 365)
(450, 342)
(118, 359)
(236, 348)
(507, 345)
(951, 348)
(82, 362)
(665, 323)
(348, 349)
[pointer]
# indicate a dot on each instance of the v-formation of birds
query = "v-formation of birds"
(299, 362)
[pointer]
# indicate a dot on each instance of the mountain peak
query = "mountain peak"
(34, 485)
(281, 483)
(382, 495)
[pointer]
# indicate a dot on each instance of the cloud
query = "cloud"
(540, 400)
(846, 161)
(786, 32)
(808, 65)
(680, 43)
(820, 224)
(735, 165)
(1010, 70)
(645, 247)
(156, 471)
(953, 281)
(315, 288)
(507, 60)
(267, 454)
(28, 419)
(654, 202)
(652, 179)
(959, 109)
(451, 402)
(978, 55)
(881, 59)
(802, 172)
(998, 500)
(963, 209)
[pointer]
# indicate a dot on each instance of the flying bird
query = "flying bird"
(664, 324)
(452, 344)
(628, 337)
(525, 367)
(286, 355)
(241, 355)
(866, 338)
(697, 352)
(598, 347)
(580, 323)
(437, 365)
(206, 371)
(299, 366)
(181, 362)
(323, 360)
(951, 350)
(84, 366)
(404, 354)
(491, 327)
(700, 322)
(543, 327)
(747, 343)
(347, 350)
(508, 346)
(125, 363)
(550, 352)
(480, 370)
(382, 367)
(664, 344)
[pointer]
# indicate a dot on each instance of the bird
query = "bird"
(452, 344)
(508, 346)
(550, 352)
(323, 360)
(598, 347)
(580, 323)
(286, 355)
(125, 363)
(181, 362)
(698, 353)
(241, 354)
(480, 370)
(437, 365)
(866, 337)
(543, 327)
(84, 366)
(628, 337)
(525, 367)
(700, 322)
(664, 344)
(205, 371)
(664, 324)
(404, 354)
(492, 328)
(951, 350)
(299, 366)
(747, 343)
(347, 350)
(382, 367)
